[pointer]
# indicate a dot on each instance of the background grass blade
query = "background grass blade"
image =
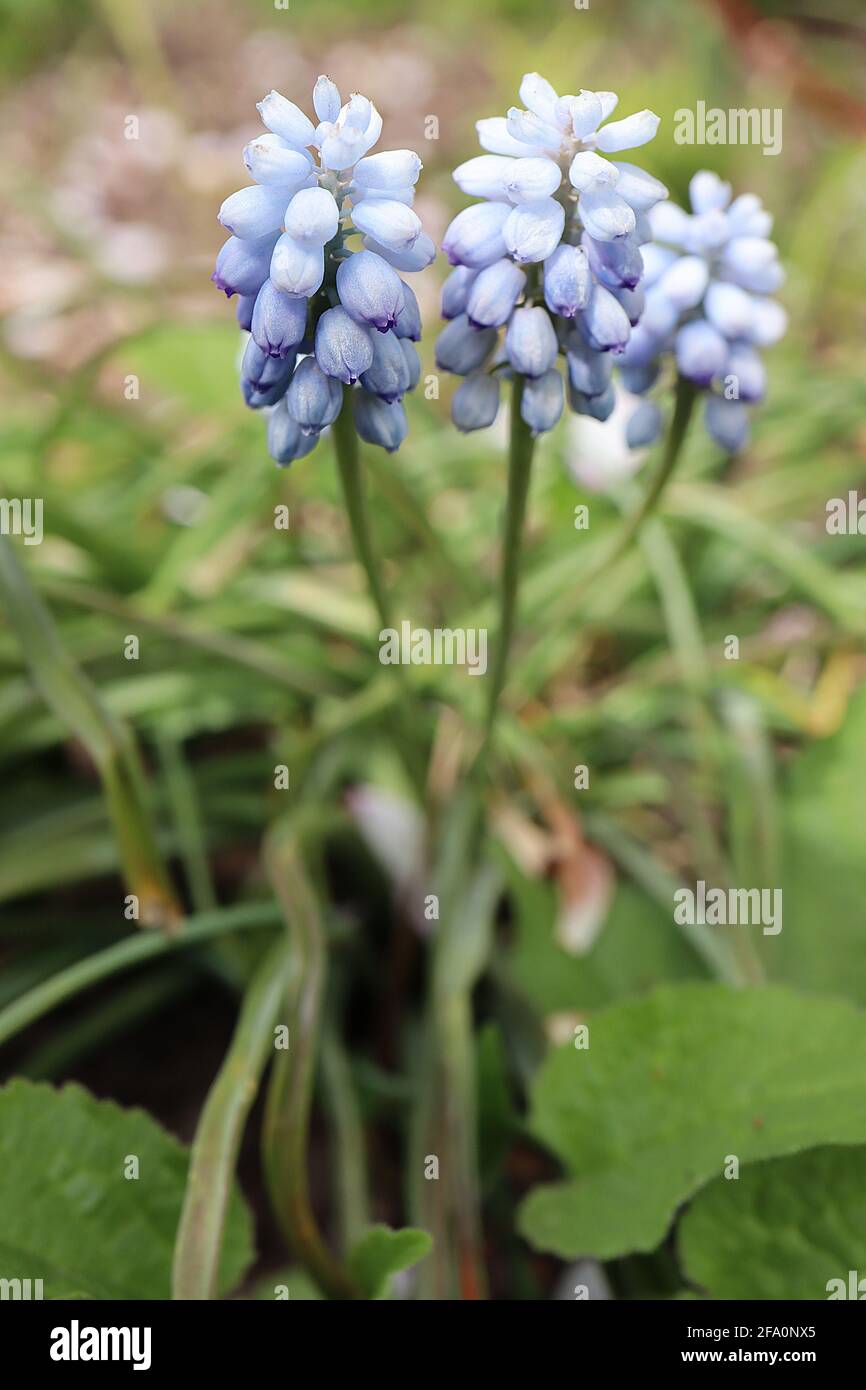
(110, 743)
(220, 1128)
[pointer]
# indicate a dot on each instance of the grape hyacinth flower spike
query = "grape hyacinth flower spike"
(319, 242)
(710, 274)
(551, 256)
(546, 266)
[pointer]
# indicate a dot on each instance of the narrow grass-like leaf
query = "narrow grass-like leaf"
(220, 1129)
(133, 950)
(110, 743)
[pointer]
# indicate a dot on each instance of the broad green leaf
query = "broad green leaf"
(382, 1252)
(783, 1229)
(70, 1216)
(637, 948)
(670, 1085)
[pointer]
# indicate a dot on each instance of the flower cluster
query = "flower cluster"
(708, 276)
(320, 314)
(552, 255)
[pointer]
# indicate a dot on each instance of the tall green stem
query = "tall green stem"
(520, 451)
(445, 1124)
(348, 463)
(686, 395)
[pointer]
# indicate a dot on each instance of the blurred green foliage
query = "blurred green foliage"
(258, 645)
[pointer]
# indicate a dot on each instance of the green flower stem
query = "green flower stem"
(220, 1129)
(686, 395)
(348, 464)
(133, 950)
(110, 743)
(521, 449)
(290, 1094)
(445, 1124)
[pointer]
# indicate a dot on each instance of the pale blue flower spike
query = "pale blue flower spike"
(551, 255)
(323, 315)
(709, 274)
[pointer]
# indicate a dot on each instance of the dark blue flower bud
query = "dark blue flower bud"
(370, 289)
(242, 267)
(244, 311)
(388, 375)
(286, 441)
(455, 291)
(617, 263)
(598, 407)
(644, 425)
(261, 372)
(476, 402)
(640, 378)
(530, 341)
(408, 323)
(256, 397)
(313, 399)
(460, 348)
(567, 280)
(379, 422)
(494, 294)
(727, 422)
(589, 372)
(344, 347)
(413, 363)
(542, 401)
(632, 301)
(279, 320)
